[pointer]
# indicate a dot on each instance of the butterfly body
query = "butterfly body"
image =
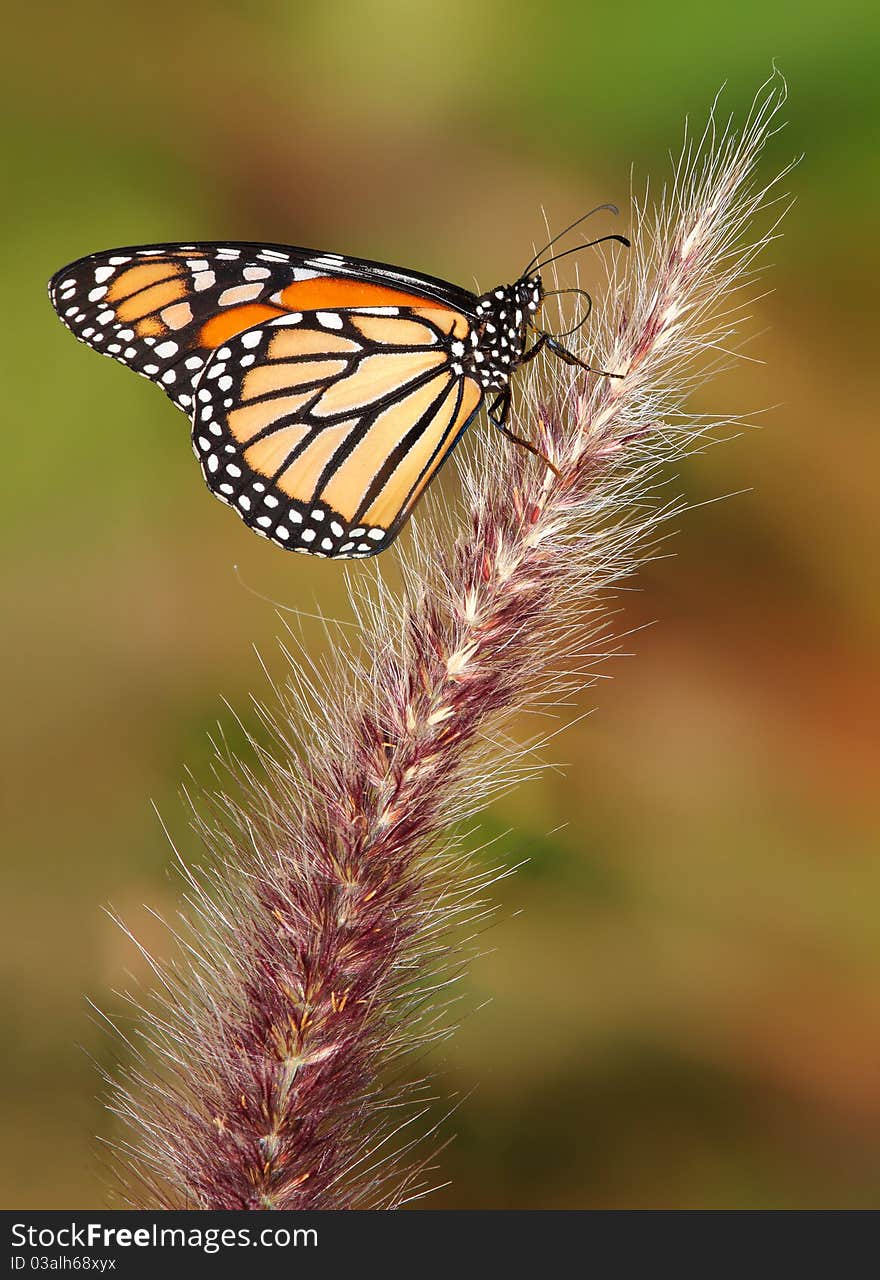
(324, 392)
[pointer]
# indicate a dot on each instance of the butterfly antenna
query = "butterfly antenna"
(578, 247)
(610, 208)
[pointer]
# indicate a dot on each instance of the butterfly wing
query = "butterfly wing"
(322, 428)
(152, 309)
(324, 387)
(162, 310)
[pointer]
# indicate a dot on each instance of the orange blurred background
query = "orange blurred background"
(685, 978)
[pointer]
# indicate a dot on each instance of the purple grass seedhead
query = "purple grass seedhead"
(323, 946)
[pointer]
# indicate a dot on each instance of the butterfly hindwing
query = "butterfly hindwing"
(322, 428)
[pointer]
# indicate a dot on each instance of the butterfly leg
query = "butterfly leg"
(542, 341)
(498, 412)
(500, 408)
(567, 357)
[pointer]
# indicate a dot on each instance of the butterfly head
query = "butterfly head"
(515, 303)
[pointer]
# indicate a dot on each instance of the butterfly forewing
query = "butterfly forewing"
(162, 310)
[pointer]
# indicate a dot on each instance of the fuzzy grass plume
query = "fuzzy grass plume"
(323, 945)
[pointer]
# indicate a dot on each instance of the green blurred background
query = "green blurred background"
(685, 981)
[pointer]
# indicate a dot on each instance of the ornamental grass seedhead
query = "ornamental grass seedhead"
(322, 946)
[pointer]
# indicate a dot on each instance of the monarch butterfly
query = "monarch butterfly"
(325, 392)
